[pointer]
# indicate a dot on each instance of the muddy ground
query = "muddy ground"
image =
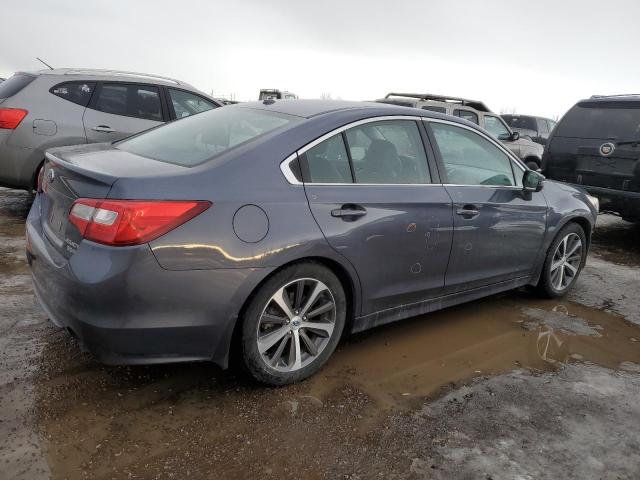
(507, 387)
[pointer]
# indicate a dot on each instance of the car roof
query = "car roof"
(603, 99)
(313, 108)
(518, 115)
(99, 74)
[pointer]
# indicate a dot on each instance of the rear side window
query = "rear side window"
(14, 84)
(526, 123)
(76, 92)
(603, 120)
(199, 138)
(389, 152)
(470, 159)
(433, 108)
(328, 162)
(141, 101)
(186, 103)
(467, 115)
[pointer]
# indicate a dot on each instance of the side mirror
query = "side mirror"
(532, 181)
(515, 136)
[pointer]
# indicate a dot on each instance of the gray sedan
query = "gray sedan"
(275, 227)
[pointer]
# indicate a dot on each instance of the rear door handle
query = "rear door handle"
(349, 212)
(102, 128)
(468, 211)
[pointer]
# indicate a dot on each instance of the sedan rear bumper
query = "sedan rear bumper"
(126, 309)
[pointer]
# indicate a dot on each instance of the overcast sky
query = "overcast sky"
(536, 57)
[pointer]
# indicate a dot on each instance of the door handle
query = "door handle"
(468, 212)
(349, 212)
(102, 129)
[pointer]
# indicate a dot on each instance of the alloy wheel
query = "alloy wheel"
(296, 324)
(566, 262)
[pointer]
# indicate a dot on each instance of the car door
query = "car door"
(119, 109)
(379, 203)
(498, 227)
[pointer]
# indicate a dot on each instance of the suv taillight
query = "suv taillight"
(131, 222)
(10, 118)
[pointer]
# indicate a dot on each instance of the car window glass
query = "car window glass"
(14, 84)
(392, 153)
(470, 159)
(467, 115)
(615, 120)
(433, 108)
(551, 124)
(198, 138)
(139, 101)
(543, 128)
(495, 127)
(525, 123)
(328, 162)
(186, 104)
(76, 92)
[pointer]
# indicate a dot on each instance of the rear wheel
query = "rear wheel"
(293, 324)
(564, 261)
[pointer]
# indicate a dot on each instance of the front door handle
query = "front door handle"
(102, 129)
(349, 212)
(468, 212)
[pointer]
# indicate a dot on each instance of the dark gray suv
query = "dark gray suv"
(51, 108)
(273, 227)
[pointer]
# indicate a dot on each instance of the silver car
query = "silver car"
(53, 108)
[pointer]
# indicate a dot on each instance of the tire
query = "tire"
(558, 274)
(532, 165)
(278, 348)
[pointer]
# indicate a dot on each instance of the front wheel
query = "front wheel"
(293, 324)
(564, 261)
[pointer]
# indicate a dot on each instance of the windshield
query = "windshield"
(196, 139)
(13, 85)
(527, 123)
(610, 120)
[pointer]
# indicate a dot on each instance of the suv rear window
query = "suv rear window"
(14, 84)
(198, 138)
(526, 123)
(603, 120)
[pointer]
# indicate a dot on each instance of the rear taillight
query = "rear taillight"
(130, 222)
(10, 118)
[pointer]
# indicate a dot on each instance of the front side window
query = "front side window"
(496, 128)
(186, 103)
(76, 92)
(199, 138)
(389, 152)
(470, 159)
(467, 115)
(328, 162)
(130, 100)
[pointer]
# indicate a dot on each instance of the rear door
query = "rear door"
(119, 109)
(379, 203)
(498, 228)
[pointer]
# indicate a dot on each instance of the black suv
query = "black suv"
(536, 128)
(597, 145)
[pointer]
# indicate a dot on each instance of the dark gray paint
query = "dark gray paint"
(178, 298)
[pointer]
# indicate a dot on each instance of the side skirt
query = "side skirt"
(433, 304)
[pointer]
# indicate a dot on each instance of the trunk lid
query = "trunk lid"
(85, 171)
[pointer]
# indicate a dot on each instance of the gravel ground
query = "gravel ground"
(509, 387)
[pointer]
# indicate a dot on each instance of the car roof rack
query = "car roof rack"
(617, 95)
(90, 71)
(476, 104)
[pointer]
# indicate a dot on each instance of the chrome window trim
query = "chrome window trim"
(491, 139)
(288, 174)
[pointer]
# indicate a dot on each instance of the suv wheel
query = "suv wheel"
(293, 324)
(532, 165)
(564, 261)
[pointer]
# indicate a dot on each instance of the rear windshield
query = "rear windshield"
(610, 120)
(196, 139)
(13, 85)
(527, 123)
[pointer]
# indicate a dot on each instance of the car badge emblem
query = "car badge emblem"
(607, 149)
(51, 175)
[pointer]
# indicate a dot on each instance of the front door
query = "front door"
(498, 228)
(370, 190)
(118, 110)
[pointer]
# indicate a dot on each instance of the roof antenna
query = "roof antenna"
(42, 61)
